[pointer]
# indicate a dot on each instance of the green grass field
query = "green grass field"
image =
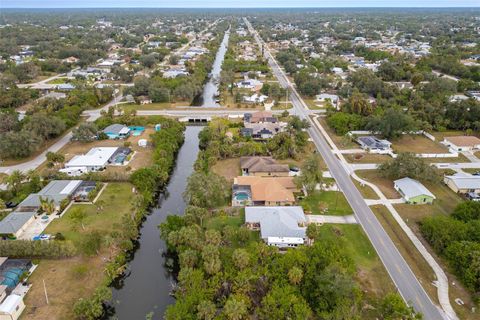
(327, 202)
(117, 198)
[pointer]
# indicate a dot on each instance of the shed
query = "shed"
(413, 191)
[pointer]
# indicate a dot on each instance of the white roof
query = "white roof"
(412, 188)
(10, 304)
(95, 157)
(465, 181)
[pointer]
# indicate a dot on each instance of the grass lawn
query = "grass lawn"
(385, 185)
(366, 157)
(365, 190)
(282, 106)
(446, 200)
(460, 158)
(326, 202)
(439, 136)
(61, 80)
(228, 168)
(420, 267)
(371, 274)
(151, 106)
(340, 142)
(417, 144)
(67, 280)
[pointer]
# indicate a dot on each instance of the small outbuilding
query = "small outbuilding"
(12, 307)
(117, 131)
(413, 191)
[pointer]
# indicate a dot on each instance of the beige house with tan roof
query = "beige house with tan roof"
(263, 191)
(462, 143)
(263, 167)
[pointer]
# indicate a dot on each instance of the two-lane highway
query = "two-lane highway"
(398, 269)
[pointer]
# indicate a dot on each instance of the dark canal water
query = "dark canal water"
(146, 289)
(210, 90)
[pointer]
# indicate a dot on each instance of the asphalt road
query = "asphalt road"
(406, 282)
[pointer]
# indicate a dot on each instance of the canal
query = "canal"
(210, 90)
(146, 288)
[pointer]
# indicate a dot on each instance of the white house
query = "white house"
(255, 98)
(12, 307)
(324, 97)
(96, 159)
(462, 143)
(375, 145)
(279, 226)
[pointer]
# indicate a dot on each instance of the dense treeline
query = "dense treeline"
(46, 120)
(37, 249)
(457, 239)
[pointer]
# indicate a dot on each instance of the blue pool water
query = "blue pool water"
(242, 196)
(120, 158)
(136, 130)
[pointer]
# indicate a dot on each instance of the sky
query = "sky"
(233, 3)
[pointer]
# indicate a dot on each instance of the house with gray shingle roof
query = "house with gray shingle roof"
(18, 221)
(279, 226)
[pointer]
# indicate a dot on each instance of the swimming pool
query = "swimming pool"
(136, 130)
(120, 159)
(241, 196)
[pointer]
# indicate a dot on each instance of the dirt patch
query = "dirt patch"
(385, 185)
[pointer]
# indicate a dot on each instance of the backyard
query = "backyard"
(417, 144)
(67, 280)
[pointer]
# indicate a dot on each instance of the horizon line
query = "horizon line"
(240, 7)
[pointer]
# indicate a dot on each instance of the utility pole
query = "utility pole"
(45, 290)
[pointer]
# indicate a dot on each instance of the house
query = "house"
(65, 86)
(18, 221)
(117, 131)
(53, 95)
(263, 191)
(94, 160)
(260, 130)
(463, 183)
(255, 98)
(252, 84)
(263, 166)
(12, 307)
(282, 227)
(374, 145)
(462, 143)
(70, 59)
(144, 100)
(259, 117)
(413, 191)
(333, 98)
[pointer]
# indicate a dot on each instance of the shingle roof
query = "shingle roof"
(114, 128)
(262, 164)
(463, 141)
(277, 221)
(373, 142)
(412, 188)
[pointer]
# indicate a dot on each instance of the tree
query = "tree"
(78, 216)
(408, 165)
(392, 123)
(392, 307)
(45, 126)
(206, 310)
(311, 173)
(235, 308)
(211, 259)
(3, 206)
(313, 231)
(14, 180)
(55, 157)
(467, 211)
(85, 132)
(295, 275)
(47, 205)
(207, 190)
(342, 122)
(92, 308)
(18, 144)
(284, 303)
(188, 258)
(240, 258)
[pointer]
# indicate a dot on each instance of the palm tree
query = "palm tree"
(15, 180)
(235, 309)
(295, 275)
(47, 205)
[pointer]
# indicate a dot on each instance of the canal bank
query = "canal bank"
(146, 288)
